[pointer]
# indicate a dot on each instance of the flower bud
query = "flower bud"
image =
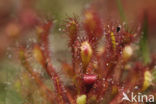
(89, 79)
(86, 53)
(81, 99)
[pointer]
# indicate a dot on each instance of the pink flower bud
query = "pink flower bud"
(89, 79)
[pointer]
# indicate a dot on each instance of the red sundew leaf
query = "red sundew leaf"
(44, 30)
(92, 25)
(60, 88)
(72, 27)
(44, 41)
(49, 94)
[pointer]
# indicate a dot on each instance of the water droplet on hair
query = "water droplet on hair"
(136, 87)
(9, 56)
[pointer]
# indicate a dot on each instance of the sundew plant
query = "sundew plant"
(107, 52)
